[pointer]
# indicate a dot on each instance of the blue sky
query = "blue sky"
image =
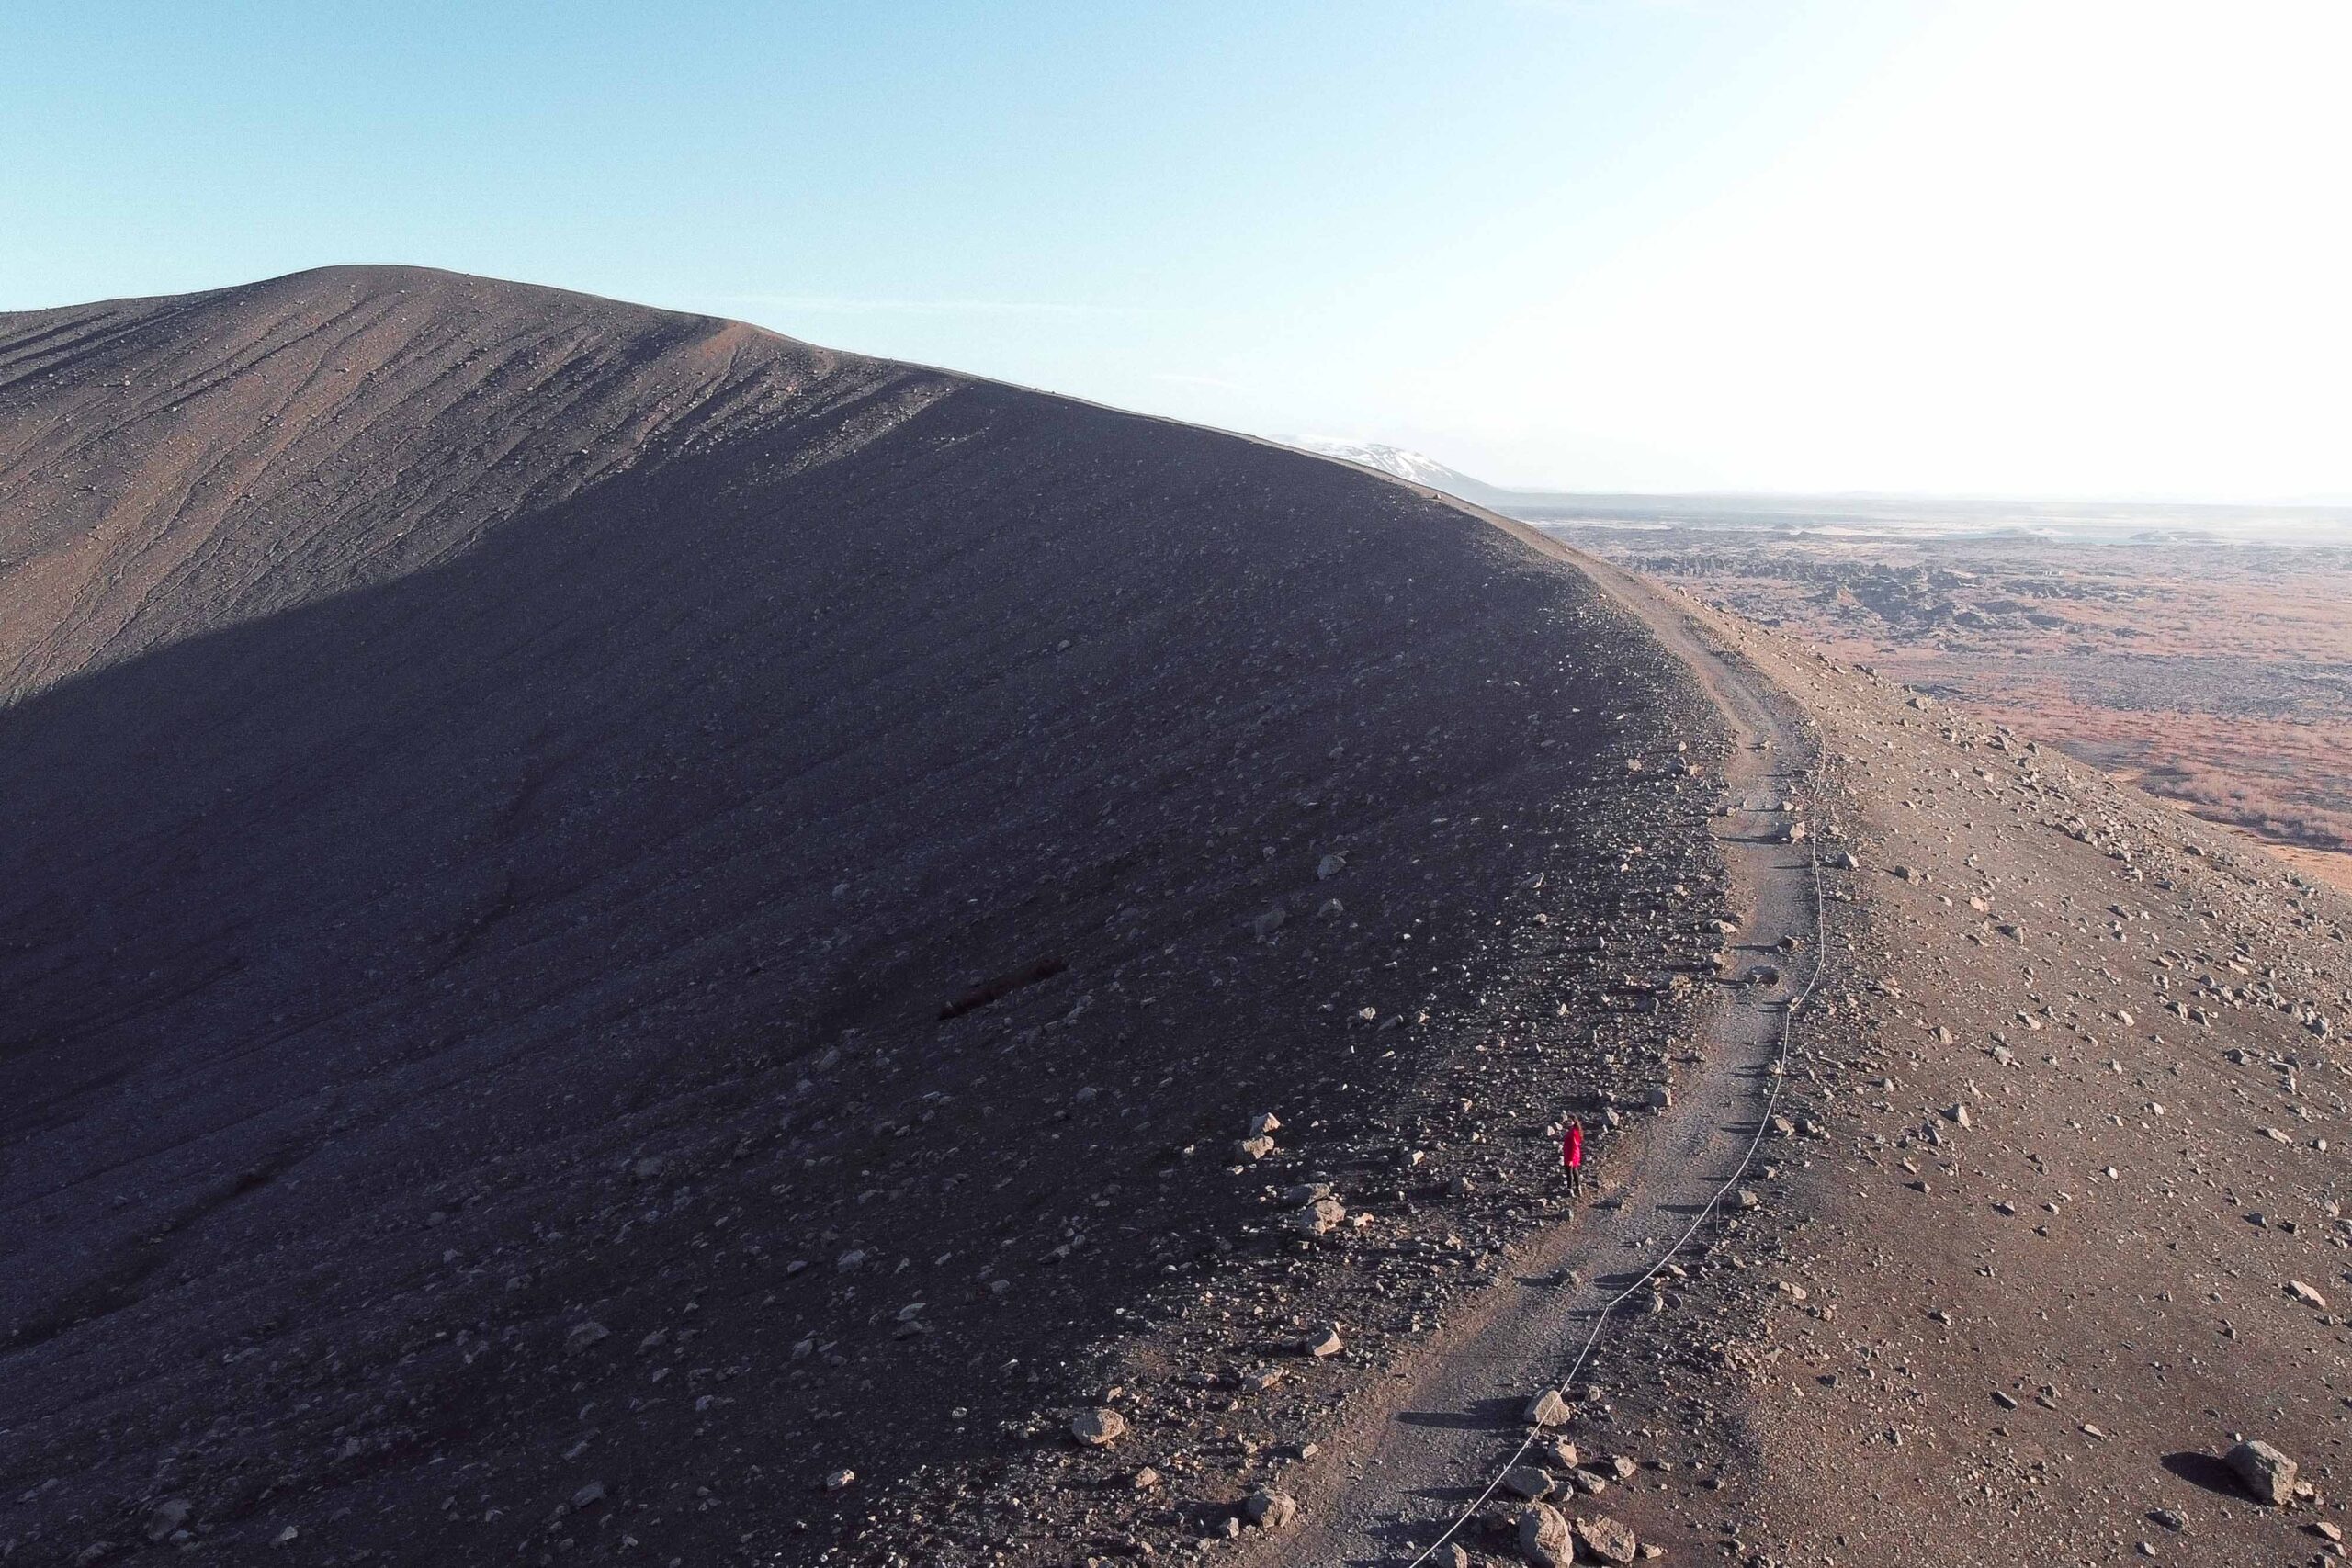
(2061, 247)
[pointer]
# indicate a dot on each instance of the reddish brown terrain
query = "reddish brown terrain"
(630, 940)
(2214, 675)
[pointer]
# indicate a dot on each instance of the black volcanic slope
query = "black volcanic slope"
(502, 791)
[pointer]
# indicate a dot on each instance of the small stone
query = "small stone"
(1264, 1124)
(1547, 1409)
(1269, 1509)
(1255, 1149)
(839, 1480)
(589, 1495)
(1098, 1428)
(1144, 1479)
(584, 1335)
(1543, 1537)
(2305, 1295)
(2269, 1474)
(1322, 1216)
(1322, 1343)
(1527, 1481)
(168, 1515)
(1603, 1538)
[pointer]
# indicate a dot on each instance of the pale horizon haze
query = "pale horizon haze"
(2070, 248)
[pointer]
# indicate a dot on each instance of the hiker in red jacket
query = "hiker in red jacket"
(1572, 1158)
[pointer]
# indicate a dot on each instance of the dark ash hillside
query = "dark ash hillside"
(504, 787)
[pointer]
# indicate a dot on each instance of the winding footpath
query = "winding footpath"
(1423, 1456)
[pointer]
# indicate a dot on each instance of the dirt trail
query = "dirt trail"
(1405, 1467)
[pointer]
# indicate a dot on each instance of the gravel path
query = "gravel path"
(1406, 1466)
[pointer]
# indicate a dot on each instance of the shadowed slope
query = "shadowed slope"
(507, 785)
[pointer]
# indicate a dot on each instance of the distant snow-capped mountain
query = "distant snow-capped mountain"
(1394, 460)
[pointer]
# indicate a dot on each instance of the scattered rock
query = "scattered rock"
(1269, 1509)
(1543, 1537)
(2305, 1295)
(1098, 1428)
(1255, 1149)
(1527, 1481)
(839, 1480)
(2269, 1474)
(168, 1515)
(1316, 1218)
(1547, 1409)
(1604, 1540)
(1320, 1216)
(1321, 1342)
(584, 1335)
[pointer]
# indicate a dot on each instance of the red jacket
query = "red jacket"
(1572, 1146)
